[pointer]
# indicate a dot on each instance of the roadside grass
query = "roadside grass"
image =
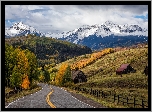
(109, 101)
(18, 95)
(99, 100)
(132, 80)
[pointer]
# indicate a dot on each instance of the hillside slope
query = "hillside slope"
(101, 75)
(48, 50)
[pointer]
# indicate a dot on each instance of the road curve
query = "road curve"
(36, 100)
(45, 98)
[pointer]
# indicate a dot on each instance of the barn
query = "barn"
(124, 69)
(78, 76)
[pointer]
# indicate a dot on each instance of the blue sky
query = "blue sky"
(59, 18)
(144, 17)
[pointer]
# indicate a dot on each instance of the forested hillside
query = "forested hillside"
(48, 50)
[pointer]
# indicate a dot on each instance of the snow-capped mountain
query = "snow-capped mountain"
(106, 35)
(104, 30)
(95, 36)
(20, 29)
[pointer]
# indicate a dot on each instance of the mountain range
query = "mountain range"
(95, 36)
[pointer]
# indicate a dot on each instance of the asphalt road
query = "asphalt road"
(59, 98)
(63, 99)
(36, 100)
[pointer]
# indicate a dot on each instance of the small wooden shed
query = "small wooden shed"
(124, 69)
(78, 76)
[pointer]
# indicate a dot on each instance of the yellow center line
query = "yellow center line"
(48, 99)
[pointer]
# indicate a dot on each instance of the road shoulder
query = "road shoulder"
(85, 99)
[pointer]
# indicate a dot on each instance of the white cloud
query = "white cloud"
(50, 18)
(33, 7)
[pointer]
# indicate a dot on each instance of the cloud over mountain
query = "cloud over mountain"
(59, 18)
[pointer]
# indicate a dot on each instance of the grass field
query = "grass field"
(101, 75)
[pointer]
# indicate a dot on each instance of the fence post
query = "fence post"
(127, 100)
(123, 101)
(91, 91)
(118, 98)
(102, 94)
(97, 93)
(83, 89)
(134, 102)
(142, 103)
(114, 97)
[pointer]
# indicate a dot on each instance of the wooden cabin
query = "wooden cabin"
(124, 69)
(78, 76)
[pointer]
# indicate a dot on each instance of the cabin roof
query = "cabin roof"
(75, 73)
(122, 67)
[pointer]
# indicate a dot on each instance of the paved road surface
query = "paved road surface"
(36, 100)
(63, 99)
(59, 98)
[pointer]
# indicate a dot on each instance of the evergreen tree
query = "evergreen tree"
(67, 75)
(46, 76)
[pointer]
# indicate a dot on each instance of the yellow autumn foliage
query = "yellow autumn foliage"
(23, 64)
(94, 56)
(60, 74)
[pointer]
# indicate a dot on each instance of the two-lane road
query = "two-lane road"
(36, 100)
(44, 98)
(63, 99)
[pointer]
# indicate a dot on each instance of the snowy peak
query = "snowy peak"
(103, 30)
(20, 26)
(109, 23)
(108, 28)
(95, 36)
(19, 29)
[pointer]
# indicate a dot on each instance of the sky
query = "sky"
(64, 18)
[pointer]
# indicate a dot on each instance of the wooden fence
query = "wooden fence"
(131, 102)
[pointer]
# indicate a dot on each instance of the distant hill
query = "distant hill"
(48, 50)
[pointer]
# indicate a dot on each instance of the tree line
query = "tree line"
(21, 68)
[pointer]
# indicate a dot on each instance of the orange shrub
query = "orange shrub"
(25, 83)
